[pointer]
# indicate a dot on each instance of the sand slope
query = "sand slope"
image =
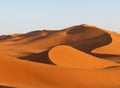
(25, 74)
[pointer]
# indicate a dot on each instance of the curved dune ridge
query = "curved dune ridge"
(67, 56)
(81, 56)
(110, 49)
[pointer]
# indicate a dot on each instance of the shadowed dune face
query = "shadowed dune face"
(86, 37)
(112, 48)
(38, 57)
(89, 44)
(5, 37)
(105, 55)
(82, 56)
(76, 29)
(6, 87)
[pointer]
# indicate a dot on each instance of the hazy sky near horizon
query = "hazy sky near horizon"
(19, 16)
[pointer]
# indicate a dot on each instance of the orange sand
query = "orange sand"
(67, 56)
(81, 56)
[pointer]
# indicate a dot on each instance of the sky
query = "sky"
(20, 16)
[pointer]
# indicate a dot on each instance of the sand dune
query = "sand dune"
(82, 56)
(67, 56)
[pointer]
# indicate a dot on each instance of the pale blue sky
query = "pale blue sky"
(19, 16)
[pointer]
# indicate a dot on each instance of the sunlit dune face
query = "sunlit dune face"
(67, 56)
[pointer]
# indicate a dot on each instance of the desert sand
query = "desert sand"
(82, 56)
(67, 56)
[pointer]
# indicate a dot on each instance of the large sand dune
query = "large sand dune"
(81, 56)
(67, 56)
